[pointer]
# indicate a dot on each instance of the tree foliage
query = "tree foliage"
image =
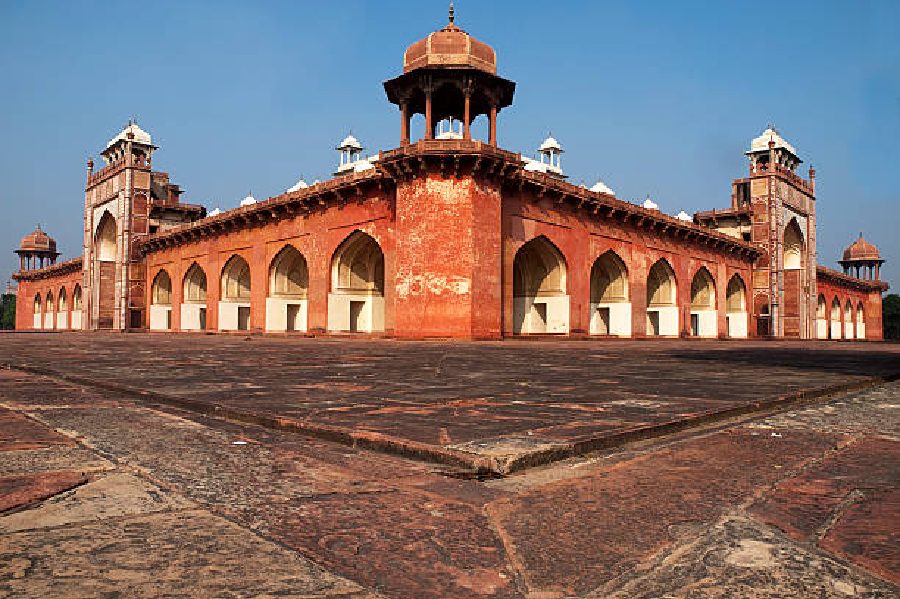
(7, 312)
(891, 316)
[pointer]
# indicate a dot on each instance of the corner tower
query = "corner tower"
(449, 74)
(782, 209)
(123, 203)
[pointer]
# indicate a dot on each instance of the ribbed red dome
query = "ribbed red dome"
(861, 250)
(450, 47)
(37, 241)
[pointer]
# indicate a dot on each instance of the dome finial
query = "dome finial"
(451, 11)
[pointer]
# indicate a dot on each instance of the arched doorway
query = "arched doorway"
(662, 309)
(794, 262)
(835, 319)
(62, 310)
(736, 315)
(193, 304)
(161, 302)
(704, 319)
(356, 300)
(38, 318)
(848, 321)
(540, 303)
(105, 255)
(610, 305)
(234, 307)
(77, 307)
(860, 321)
(287, 303)
(49, 311)
(821, 318)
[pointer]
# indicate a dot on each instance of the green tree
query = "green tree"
(7, 312)
(890, 313)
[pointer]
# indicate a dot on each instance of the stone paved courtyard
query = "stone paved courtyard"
(119, 478)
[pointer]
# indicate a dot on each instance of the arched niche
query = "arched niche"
(736, 307)
(794, 246)
(540, 302)
(356, 300)
(704, 320)
(161, 302)
(662, 309)
(193, 304)
(610, 301)
(234, 304)
(286, 304)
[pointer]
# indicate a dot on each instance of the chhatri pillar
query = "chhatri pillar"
(449, 75)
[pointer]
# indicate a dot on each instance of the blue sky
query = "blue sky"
(653, 97)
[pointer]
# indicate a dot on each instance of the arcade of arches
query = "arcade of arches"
(450, 236)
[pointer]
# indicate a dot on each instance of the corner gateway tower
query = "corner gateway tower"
(124, 202)
(450, 236)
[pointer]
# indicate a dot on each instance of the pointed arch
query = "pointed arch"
(356, 300)
(540, 303)
(236, 280)
(358, 266)
(288, 274)
(105, 236)
(703, 290)
(609, 279)
(821, 317)
(835, 318)
(794, 246)
(76, 307)
(161, 289)
(736, 294)
(848, 320)
(860, 321)
(661, 284)
(62, 303)
(49, 311)
(539, 268)
(194, 285)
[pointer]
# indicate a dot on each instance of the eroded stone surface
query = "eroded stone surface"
(111, 496)
(26, 489)
(183, 554)
(739, 558)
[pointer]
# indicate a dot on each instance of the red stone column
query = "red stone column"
(467, 116)
(404, 124)
(429, 123)
(493, 119)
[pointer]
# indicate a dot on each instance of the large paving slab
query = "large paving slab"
(241, 510)
(497, 406)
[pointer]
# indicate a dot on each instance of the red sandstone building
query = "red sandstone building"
(449, 236)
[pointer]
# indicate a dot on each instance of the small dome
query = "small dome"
(684, 216)
(550, 144)
(450, 47)
(350, 143)
(215, 212)
(300, 184)
(650, 204)
(861, 250)
(37, 241)
(249, 200)
(762, 142)
(140, 136)
(601, 187)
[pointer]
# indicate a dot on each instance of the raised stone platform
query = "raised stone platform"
(487, 407)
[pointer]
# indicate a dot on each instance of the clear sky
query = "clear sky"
(653, 97)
